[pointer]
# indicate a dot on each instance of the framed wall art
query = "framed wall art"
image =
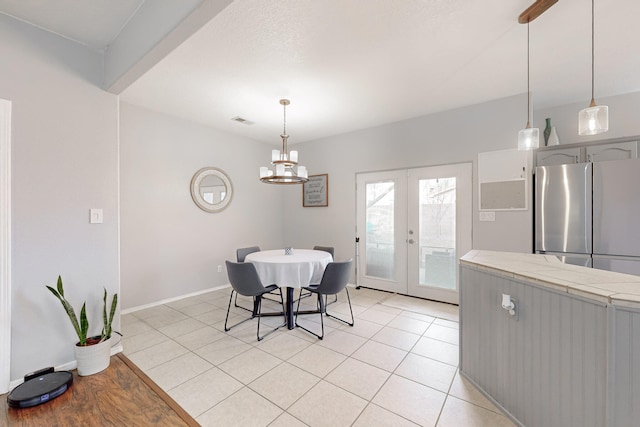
(315, 192)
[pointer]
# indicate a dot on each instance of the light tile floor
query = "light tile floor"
(398, 366)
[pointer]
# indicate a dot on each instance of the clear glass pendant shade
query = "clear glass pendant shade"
(528, 139)
(593, 120)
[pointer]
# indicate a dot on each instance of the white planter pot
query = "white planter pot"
(93, 358)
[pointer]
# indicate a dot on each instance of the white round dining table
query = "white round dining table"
(300, 268)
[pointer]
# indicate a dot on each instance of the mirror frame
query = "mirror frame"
(197, 179)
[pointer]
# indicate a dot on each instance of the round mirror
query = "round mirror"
(211, 189)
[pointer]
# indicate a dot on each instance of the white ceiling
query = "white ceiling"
(353, 64)
(95, 23)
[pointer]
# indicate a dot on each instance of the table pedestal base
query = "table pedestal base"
(288, 306)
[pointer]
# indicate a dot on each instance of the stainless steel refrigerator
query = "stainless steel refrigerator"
(589, 214)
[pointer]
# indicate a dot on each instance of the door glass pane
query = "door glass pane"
(380, 249)
(437, 240)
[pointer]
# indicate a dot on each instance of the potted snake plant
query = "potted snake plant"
(92, 352)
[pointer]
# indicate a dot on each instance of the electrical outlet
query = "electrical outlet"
(219, 269)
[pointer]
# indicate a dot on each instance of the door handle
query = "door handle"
(411, 241)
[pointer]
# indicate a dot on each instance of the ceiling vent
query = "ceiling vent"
(241, 120)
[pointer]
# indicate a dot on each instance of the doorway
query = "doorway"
(413, 226)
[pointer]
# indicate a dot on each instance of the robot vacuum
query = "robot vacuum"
(40, 387)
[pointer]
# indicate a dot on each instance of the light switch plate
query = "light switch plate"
(95, 216)
(487, 216)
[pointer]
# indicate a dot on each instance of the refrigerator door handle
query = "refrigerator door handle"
(588, 207)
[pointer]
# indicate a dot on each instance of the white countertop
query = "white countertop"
(546, 270)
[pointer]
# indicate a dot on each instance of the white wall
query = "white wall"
(64, 161)
(449, 137)
(169, 246)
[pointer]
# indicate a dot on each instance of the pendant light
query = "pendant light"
(528, 138)
(595, 118)
(286, 169)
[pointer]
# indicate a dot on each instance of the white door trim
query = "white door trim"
(5, 245)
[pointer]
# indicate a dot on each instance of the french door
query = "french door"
(413, 225)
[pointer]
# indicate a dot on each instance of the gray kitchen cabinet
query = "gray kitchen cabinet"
(614, 151)
(547, 367)
(625, 368)
(568, 356)
(560, 156)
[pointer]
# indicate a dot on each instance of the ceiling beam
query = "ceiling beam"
(535, 10)
(151, 35)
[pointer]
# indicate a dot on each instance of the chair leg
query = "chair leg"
(335, 299)
(320, 309)
(303, 295)
(227, 329)
(295, 319)
(228, 310)
(326, 300)
(258, 314)
(321, 318)
(350, 309)
(239, 306)
(260, 338)
(266, 296)
(259, 306)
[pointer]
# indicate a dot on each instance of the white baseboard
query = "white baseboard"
(168, 300)
(193, 294)
(69, 366)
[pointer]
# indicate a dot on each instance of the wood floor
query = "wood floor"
(122, 395)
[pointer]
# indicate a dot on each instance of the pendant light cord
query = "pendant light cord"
(592, 51)
(528, 90)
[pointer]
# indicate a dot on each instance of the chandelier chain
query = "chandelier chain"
(284, 122)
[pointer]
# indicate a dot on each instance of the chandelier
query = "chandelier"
(285, 162)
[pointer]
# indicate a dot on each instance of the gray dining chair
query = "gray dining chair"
(334, 280)
(325, 249)
(245, 281)
(242, 253)
(330, 250)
